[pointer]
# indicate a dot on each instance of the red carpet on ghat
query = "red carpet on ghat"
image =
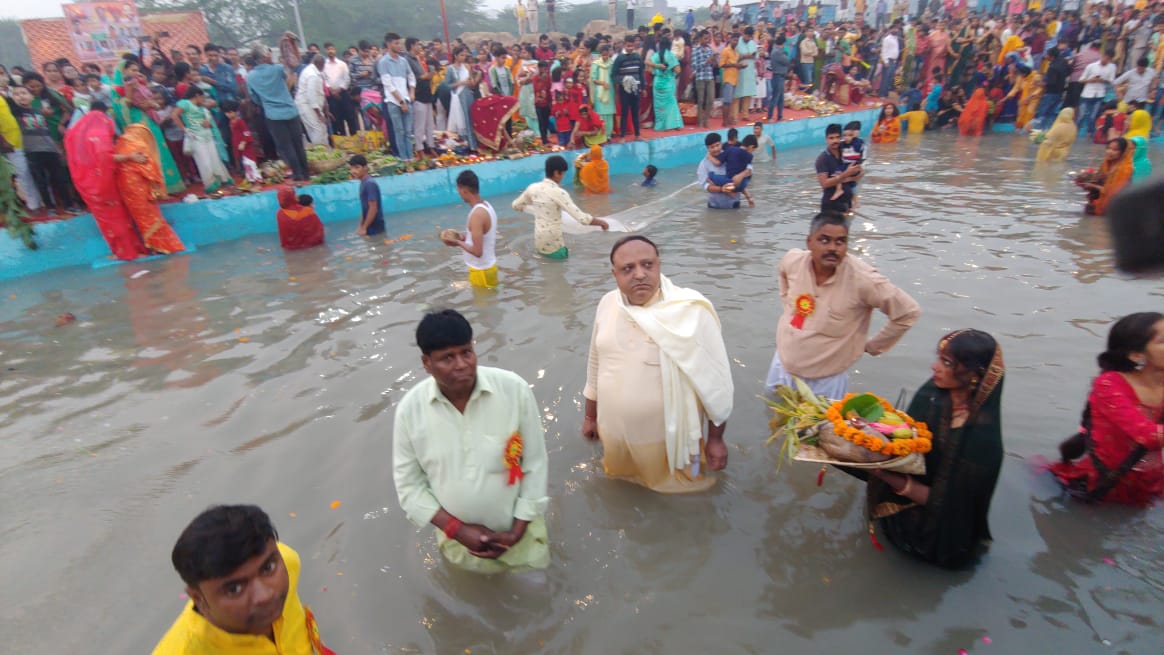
(647, 134)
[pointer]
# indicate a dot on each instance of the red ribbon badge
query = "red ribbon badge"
(513, 449)
(805, 306)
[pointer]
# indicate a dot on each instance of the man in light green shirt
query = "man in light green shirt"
(469, 455)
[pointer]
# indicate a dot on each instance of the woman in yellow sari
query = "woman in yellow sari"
(141, 184)
(1032, 93)
(1013, 44)
(1059, 138)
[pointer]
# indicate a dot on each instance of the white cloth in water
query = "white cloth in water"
(570, 225)
(697, 378)
(832, 386)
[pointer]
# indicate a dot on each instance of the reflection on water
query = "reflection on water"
(246, 374)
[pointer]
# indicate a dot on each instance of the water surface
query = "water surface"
(245, 374)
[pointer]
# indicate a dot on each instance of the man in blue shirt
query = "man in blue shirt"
(268, 87)
(371, 209)
(219, 74)
(718, 197)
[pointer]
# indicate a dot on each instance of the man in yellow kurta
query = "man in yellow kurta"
(658, 368)
(547, 200)
(469, 455)
(243, 587)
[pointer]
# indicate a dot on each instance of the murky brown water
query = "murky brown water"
(243, 374)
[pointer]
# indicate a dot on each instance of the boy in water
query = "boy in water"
(736, 158)
(853, 154)
(649, 174)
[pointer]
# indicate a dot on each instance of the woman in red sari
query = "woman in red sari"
(140, 181)
(299, 226)
(490, 119)
(93, 164)
(973, 118)
(939, 48)
(1124, 423)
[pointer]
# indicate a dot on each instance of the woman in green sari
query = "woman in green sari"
(963, 47)
(137, 105)
(602, 90)
(941, 515)
(665, 67)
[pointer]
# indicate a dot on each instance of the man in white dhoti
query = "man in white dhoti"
(658, 368)
(311, 102)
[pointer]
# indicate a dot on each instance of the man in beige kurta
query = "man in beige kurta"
(658, 370)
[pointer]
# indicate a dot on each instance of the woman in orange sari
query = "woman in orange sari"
(1114, 174)
(141, 183)
(93, 164)
(887, 129)
(973, 118)
(593, 171)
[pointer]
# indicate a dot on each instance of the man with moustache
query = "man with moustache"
(469, 455)
(658, 373)
(243, 588)
(828, 299)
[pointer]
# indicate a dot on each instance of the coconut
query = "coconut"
(449, 234)
(846, 451)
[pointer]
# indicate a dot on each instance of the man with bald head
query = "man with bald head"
(658, 370)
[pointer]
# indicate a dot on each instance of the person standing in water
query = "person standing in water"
(243, 585)
(477, 243)
(371, 210)
(828, 299)
(469, 455)
(547, 200)
(658, 385)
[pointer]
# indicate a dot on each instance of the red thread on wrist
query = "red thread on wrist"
(451, 527)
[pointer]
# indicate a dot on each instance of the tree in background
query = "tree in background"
(13, 52)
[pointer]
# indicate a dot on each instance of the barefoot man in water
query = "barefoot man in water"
(243, 586)
(547, 200)
(828, 299)
(658, 369)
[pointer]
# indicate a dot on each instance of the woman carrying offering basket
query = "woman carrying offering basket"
(940, 516)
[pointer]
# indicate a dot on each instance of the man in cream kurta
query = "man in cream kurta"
(452, 444)
(658, 368)
(547, 200)
(311, 101)
(828, 299)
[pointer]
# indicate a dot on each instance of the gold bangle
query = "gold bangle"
(908, 483)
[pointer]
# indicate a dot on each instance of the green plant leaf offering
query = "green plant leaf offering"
(866, 405)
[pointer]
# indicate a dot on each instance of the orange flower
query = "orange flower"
(922, 441)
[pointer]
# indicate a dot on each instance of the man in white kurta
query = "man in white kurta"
(311, 102)
(454, 458)
(547, 200)
(658, 369)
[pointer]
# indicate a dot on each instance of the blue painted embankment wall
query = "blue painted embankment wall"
(77, 242)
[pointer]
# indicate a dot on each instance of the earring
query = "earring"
(1139, 361)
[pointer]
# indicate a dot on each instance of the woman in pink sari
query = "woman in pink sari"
(938, 49)
(93, 164)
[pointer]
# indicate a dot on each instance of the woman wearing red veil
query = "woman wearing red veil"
(93, 163)
(973, 118)
(299, 226)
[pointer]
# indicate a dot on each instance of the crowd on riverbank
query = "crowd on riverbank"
(215, 114)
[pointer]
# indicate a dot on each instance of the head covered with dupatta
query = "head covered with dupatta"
(138, 138)
(962, 469)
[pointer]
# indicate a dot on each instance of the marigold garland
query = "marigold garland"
(513, 450)
(922, 441)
